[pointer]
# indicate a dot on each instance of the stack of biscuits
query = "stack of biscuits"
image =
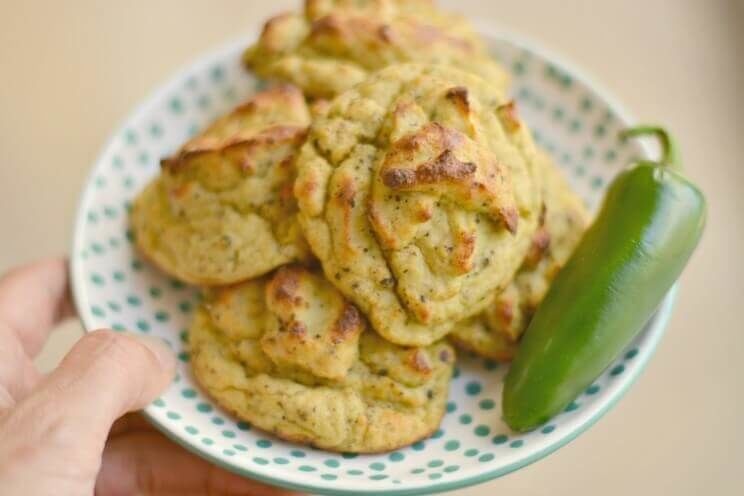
(379, 203)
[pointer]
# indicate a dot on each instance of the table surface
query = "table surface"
(70, 71)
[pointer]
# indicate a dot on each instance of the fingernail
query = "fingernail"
(164, 354)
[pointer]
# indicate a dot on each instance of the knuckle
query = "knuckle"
(123, 351)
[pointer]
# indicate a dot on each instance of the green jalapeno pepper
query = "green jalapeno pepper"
(649, 225)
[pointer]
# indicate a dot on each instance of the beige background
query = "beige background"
(70, 71)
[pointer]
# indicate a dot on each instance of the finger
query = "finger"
(18, 375)
(147, 463)
(33, 299)
(104, 376)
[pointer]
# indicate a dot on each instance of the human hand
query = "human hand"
(68, 432)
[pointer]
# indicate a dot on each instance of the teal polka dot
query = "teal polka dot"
(597, 182)
(571, 407)
(217, 74)
(228, 434)
(117, 162)
(184, 306)
(631, 354)
(418, 471)
(575, 126)
(280, 460)
(355, 471)
(331, 463)
(183, 336)
(217, 421)
(523, 93)
(92, 217)
(204, 407)
(465, 419)
(377, 466)
(173, 415)
(203, 101)
(229, 94)
(593, 389)
(109, 212)
(486, 458)
(175, 105)
(435, 463)
(473, 388)
(156, 130)
(451, 407)
(207, 441)
(97, 279)
(580, 171)
(297, 453)
(162, 316)
(128, 182)
(260, 461)
(349, 456)
(451, 468)
(243, 426)
(143, 158)
(482, 430)
(143, 326)
(134, 301)
(156, 292)
(610, 156)
(118, 327)
(130, 137)
(600, 130)
(177, 284)
(418, 446)
(118, 276)
(97, 311)
(471, 452)
(306, 468)
(486, 404)
(192, 430)
(499, 439)
(516, 444)
(328, 477)
(456, 372)
(113, 306)
(136, 265)
(519, 68)
(547, 429)
(439, 433)
(586, 104)
(184, 356)
(263, 443)
(96, 248)
(240, 447)
(396, 457)
(617, 370)
(435, 476)
(452, 445)
(228, 452)
(558, 113)
(159, 403)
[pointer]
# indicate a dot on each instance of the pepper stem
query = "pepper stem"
(669, 153)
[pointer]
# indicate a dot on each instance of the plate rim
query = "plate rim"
(655, 331)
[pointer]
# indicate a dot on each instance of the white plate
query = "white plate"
(571, 118)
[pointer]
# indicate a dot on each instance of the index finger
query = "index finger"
(33, 299)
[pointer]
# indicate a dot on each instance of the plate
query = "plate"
(575, 121)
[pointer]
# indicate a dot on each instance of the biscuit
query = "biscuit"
(222, 209)
(290, 355)
(419, 194)
(496, 332)
(335, 44)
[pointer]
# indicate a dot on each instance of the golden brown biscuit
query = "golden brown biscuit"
(288, 354)
(496, 332)
(335, 44)
(418, 192)
(222, 209)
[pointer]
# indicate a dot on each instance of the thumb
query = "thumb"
(104, 376)
(70, 412)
